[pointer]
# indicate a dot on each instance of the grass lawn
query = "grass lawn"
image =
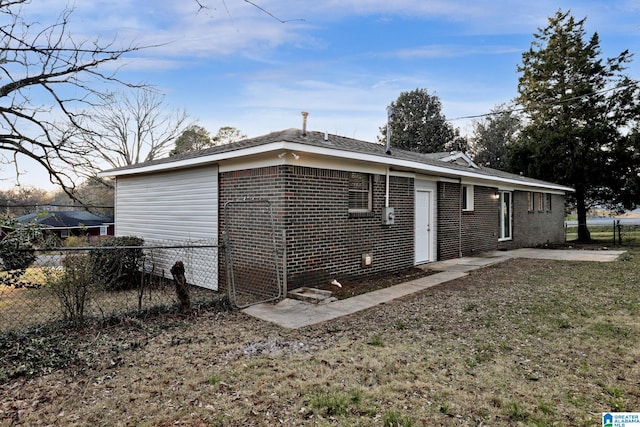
(524, 342)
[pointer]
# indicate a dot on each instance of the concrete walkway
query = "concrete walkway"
(291, 313)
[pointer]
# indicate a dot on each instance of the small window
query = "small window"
(103, 230)
(530, 202)
(64, 233)
(548, 202)
(359, 192)
(467, 197)
(540, 201)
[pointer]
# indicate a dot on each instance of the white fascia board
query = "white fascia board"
(197, 161)
(423, 168)
(509, 186)
(330, 151)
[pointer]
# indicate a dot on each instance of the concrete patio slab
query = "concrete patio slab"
(293, 314)
(567, 254)
(290, 313)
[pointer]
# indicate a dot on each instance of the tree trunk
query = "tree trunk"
(584, 236)
(181, 287)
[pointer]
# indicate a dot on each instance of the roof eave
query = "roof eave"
(331, 151)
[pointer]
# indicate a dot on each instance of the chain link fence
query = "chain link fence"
(614, 233)
(40, 286)
(253, 269)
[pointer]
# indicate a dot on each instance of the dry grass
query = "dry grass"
(26, 307)
(525, 342)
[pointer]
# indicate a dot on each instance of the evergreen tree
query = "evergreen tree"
(227, 135)
(493, 135)
(578, 106)
(193, 138)
(417, 124)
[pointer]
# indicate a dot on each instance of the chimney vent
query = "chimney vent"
(304, 123)
(389, 115)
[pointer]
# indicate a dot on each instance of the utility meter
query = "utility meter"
(388, 216)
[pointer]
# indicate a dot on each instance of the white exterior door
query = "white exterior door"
(424, 248)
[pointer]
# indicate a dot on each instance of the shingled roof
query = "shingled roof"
(65, 219)
(334, 142)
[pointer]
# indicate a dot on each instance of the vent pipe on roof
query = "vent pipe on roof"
(389, 115)
(304, 123)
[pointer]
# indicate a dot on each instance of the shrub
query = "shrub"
(73, 285)
(17, 253)
(117, 262)
(76, 241)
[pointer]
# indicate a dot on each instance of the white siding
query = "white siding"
(176, 206)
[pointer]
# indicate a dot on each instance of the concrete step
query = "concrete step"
(312, 295)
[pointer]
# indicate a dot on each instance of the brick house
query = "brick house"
(64, 224)
(345, 206)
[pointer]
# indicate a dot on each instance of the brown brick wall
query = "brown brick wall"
(262, 183)
(449, 205)
(480, 226)
(479, 231)
(536, 228)
(324, 241)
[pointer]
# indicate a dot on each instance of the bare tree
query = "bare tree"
(46, 77)
(22, 200)
(128, 129)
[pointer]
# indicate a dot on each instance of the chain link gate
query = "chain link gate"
(251, 250)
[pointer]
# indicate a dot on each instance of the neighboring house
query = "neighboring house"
(70, 223)
(346, 207)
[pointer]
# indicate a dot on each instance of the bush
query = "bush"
(117, 262)
(16, 253)
(73, 285)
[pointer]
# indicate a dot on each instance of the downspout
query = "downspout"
(386, 194)
(460, 219)
(388, 151)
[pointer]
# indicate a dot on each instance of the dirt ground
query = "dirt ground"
(350, 288)
(524, 342)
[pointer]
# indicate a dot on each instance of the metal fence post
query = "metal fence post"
(284, 263)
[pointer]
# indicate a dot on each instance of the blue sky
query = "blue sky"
(344, 61)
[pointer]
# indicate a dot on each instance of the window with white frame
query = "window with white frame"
(359, 192)
(467, 197)
(103, 230)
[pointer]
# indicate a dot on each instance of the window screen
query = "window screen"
(359, 192)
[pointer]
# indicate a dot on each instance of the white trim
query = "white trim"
(469, 196)
(501, 211)
(302, 150)
(460, 155)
